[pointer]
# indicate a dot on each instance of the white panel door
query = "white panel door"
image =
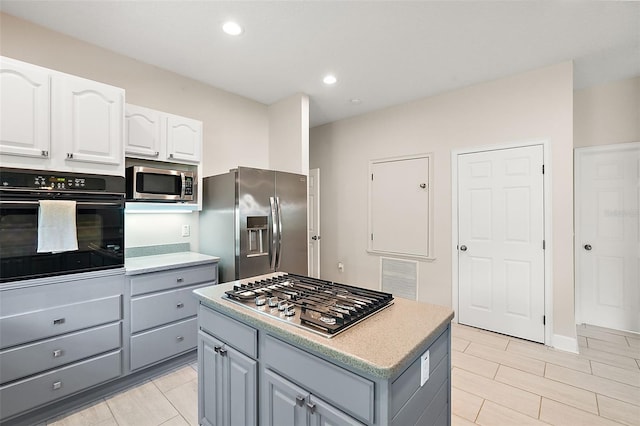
(607, 242)
(314, 223)
(501, 233)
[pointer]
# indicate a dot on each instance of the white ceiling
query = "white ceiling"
(382, 52)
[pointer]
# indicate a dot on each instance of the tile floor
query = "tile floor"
(497, 380)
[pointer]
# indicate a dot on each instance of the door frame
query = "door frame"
(315, 173)
(578, 154)
(548, 253)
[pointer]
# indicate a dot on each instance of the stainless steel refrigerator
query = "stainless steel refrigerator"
(256, 221)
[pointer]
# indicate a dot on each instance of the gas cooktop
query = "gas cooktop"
(320, 306)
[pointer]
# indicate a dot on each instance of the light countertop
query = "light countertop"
(162, 262)
(381, 345)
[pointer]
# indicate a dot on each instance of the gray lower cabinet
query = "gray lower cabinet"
(228, 395)
(297, 387)
(58, 337)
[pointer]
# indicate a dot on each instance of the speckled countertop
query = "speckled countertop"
(381, 345)
(162, 262)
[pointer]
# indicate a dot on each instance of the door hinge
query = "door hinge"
(544, 245)
(544, 320)
(372, 236)
(371, 176)
(543, 169)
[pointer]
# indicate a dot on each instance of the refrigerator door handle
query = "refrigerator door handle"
(279, 251)
(274, 232)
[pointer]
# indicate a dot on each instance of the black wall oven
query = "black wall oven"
(99, 222)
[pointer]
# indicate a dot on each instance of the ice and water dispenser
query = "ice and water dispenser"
(258, 238)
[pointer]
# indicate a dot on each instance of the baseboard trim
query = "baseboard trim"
(565, 343)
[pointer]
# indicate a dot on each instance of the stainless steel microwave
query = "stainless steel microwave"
(155, 184)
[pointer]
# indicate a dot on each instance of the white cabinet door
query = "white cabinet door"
(88, 121)
(24, 110)
(143, 133)
(184, 139)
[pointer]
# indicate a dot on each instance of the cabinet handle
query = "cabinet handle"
(180, 338)
(179, 280)
(58, 353)
(70, 155)
(216, 349)
(59, 321)
(45, 153)
(57, 385)
(299, 401)
(180, 305)
(311, 407)
(170, 155)
(156, 154)
(222, 352)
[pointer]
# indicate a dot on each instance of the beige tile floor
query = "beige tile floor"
(496, 380)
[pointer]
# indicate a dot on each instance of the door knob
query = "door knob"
(587, 247)
(463, 248)
(315, 237)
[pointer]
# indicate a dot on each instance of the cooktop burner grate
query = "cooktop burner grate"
(311, 303)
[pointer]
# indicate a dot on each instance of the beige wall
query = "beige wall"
(536, 105)
(236, 129)
(607, 114)
(289, 134)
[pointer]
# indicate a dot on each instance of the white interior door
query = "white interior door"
(607, 243)
(500, 241)
(314, 223)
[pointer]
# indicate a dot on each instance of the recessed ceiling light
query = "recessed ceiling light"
(330, 79)
(232, 28)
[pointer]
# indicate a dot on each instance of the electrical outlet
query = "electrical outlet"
(186, 230)
(424, 368)
(340, 266)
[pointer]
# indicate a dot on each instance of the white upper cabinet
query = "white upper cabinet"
(56, 121)
(88, 122)
(161, 136)
(24, 112)
(143, 132)
(184, 139)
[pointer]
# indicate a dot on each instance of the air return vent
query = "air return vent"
(399, 277)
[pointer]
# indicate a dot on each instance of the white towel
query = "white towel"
(57, 226)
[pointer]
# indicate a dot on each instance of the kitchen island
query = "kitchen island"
(391, 368)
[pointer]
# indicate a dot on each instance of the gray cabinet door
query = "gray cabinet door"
(227, 384)
(285, 402)
(240, 388)
(324, 414)
(209, 381)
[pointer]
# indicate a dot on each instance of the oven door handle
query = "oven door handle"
(80, 203)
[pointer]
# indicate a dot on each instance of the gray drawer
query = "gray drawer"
(232, 332)
(350, 392)
(408, 383)
(39, 390)
(161, 308)
(174, 278)
(53, 321)
(27, 360)
(164, 342)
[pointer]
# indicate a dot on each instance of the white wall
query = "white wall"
(289, 134)
(531, 106)
(607, 114)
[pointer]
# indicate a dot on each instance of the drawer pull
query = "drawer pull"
(179, 280)
(180, 305)
(180, 338)
(57, 385)
(58, 353)
(59, 321)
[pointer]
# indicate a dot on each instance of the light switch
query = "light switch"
(186, 231)
(424, 368)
